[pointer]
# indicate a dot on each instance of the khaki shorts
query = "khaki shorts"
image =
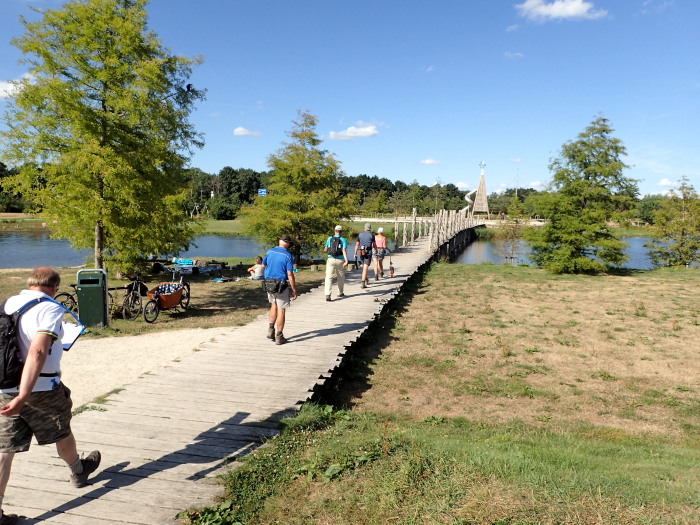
(46, 415)
(283, 299)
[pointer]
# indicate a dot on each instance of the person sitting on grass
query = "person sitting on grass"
(257, 271)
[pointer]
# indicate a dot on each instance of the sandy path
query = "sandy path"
(94, 367)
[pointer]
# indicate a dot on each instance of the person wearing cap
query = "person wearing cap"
(279, 264)
(382, 250)
(336, 248)
(363, 248)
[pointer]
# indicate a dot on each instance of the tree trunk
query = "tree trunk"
(99, 243)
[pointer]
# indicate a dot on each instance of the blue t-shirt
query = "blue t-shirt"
(343, 244)
(278, 262)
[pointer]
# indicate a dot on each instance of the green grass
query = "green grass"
(364, 468)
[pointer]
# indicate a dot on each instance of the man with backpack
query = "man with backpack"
(364, 247)
(40, 405)
(337, 261)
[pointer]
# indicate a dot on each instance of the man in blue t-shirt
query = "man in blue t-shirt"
(336, 263)
(279, 264)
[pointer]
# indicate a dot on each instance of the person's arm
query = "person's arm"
(36, 357)
(345, 256)
(292, 283)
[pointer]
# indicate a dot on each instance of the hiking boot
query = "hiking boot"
(341, 294)
(90, 464)
(8, 519)
(328, 297)
(280, 339)
(376, 277)
(271, 332)
(363, 285)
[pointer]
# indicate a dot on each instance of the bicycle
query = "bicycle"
(166, 296)
(132, 306)
(70, 300)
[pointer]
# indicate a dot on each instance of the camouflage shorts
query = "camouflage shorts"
(46, 415)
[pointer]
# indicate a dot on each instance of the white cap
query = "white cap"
(380, 230)
(339, 228)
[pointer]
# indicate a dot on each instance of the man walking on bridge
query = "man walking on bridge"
(363, 247)
(279, 265)
(40, 405)
(337, 249)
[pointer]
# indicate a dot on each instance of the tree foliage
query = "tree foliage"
(588, 191)
(676, 229)
(99, 132)
(303, 193)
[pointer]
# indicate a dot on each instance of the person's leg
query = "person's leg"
(272, 318)
(376, 268)
(330, 268)
(5, 468)
(341, 277)
(280, 320)
(67, 449)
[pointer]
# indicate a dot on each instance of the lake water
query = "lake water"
(31, 249)
(492, 251)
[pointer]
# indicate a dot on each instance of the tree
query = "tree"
(588, 190)
(99, 130)
(676, 229)
(303, 193)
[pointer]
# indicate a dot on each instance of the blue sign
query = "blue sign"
(262, 192)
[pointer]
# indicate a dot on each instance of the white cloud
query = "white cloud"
(536, 184)
(355, 132)
(543, 11)
(512, 28)
(652, 7)
(462, 186)
(667, 183)
(9, 88)
(240, 131)
(430, 69)
(429, 162)
(517, 54)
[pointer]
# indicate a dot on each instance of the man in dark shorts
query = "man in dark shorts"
(41, 405)
(279, 264)
(363, 249)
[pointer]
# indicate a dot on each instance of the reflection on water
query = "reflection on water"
(498, 253)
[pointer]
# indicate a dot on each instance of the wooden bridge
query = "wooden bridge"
(164, 437)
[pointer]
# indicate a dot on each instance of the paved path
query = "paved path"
(164, 437)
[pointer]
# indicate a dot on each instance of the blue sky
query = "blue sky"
(426, 90)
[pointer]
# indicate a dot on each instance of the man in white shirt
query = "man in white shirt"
(40, 405)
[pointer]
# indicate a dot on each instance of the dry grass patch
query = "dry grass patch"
(498, 342)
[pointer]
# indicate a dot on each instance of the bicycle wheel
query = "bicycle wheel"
(185, 297)
(131, 307)
(150, 311)
(67, 300)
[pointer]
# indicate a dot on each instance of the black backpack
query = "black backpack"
(336, 247)
(11, 364)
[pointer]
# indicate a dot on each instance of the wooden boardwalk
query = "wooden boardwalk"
(164, 437)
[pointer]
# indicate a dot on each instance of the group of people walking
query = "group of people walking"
(368, 247)
(278, 267)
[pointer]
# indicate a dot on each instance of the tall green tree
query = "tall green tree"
(99, 130)
(588, 191)
(303, 194)
(676, 228)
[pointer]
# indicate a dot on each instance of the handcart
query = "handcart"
(166, 296)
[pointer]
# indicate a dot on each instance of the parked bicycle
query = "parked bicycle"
(166, 296)
(132, 306)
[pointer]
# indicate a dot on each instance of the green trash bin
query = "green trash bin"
(92, 297)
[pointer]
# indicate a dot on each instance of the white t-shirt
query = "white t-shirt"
(46, 318)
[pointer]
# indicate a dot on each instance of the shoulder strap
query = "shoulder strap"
(27, 306)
